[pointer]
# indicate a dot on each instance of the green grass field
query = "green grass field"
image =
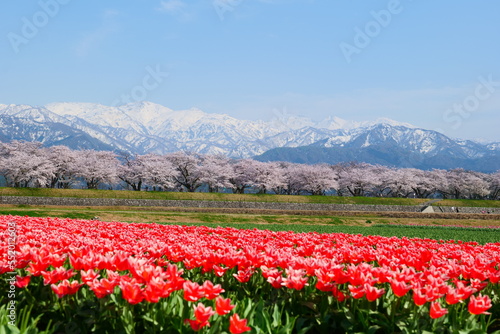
(158, 195)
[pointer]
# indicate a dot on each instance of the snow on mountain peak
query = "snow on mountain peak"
(37, 114)
(95, 113)
(12, 108)
(155, 119)
(77, 109)
(149, 114)
(333, 123)
(183, 119)
(383, 120)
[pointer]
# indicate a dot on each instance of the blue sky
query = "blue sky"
(432, 64)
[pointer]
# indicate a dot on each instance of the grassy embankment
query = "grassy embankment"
(160, 195)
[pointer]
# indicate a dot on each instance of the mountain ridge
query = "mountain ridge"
(146, 127)
(395, 146)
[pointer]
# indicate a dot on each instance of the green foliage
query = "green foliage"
(25, 321)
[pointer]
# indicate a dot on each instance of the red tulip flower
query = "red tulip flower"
(419, 298)
(400, 288)
(56, 275)
(237, 325)
(223, 306)
(202, 313)
(357, 291)
(210, 290)
(65, 288)
(196, 325)
(244, 276)
(22, 282)
(192, 291)
(373, 293)
(479, 304)
(132, 292)
(101, 288)
(437, 311)
(88, 275)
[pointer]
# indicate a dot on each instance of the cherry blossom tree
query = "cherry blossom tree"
(286, 182)
(382, 180)
(158, 172)
(243, 174)
(188, 175)
(131, 171)
(400, 182)
(477, 185)
(356, 179)
(28, 164)
(425, 183)
(216, 171)
(97, 167)
(293, 183)
(311, 179)
(24, 164)
(494, 181)
(270, 176)
(460, 183)
(64, 160)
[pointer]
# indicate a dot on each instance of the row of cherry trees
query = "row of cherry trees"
(27, 164)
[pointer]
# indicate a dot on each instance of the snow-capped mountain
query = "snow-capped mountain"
(145, 127)
(426, 142)
(397, 146)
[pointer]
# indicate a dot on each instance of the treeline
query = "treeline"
(28, 164)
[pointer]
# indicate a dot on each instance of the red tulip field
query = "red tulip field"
(83, 276)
